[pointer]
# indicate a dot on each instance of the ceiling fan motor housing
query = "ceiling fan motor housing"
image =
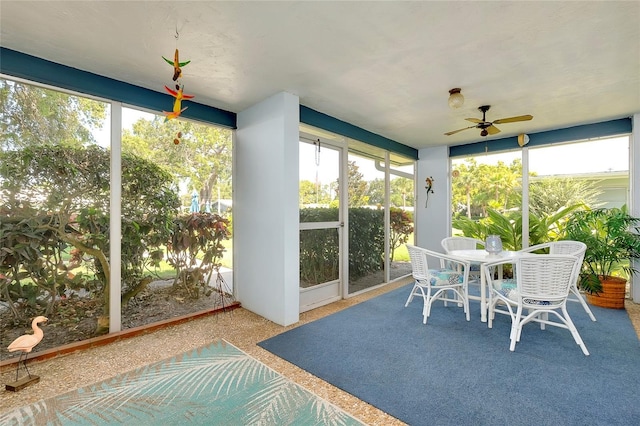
(487, 127)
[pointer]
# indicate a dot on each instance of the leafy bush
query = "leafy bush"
(319, 261)
(366, 241)
(196, 249)
(401, 227)
(542, 228)
(319, 248)
(67, 190)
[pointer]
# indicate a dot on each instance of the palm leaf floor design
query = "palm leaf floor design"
(213, 385)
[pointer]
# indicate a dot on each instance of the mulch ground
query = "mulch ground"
(76, 318)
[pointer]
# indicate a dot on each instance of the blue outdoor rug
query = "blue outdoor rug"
(454, 372)
(214, 385)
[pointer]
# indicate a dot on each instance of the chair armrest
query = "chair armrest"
(534, 248)
(454, 259)
(504, 261)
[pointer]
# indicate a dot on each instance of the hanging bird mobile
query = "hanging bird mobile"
(177, 103)
(178, 93)
(177, 65)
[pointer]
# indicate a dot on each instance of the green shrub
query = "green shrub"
(319, 261)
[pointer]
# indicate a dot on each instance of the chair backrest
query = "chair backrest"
(546, 277)
(419, 265)
(574, 248)
(420, 258)
(460, 243)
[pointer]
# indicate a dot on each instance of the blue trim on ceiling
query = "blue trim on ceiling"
(29, 67)
(587, 131)
(326, 122)
(32, 68)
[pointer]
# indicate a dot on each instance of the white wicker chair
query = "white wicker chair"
(541, 288)
(449, 284)
(461, 243)
(464, 243)
(574, 248)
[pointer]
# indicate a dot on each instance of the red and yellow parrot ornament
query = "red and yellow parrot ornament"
(177, 103)
(177, 70)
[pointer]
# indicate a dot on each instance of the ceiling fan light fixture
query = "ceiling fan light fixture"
(456, 100)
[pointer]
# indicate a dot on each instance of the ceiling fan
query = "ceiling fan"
(488, 127)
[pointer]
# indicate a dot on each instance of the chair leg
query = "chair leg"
(576, 292)
(516, 327)
(413, 293)
(491, 313)
(463, 296)
(426, 310)
(466, 304)
(409, 299)
(513, 336)
(457, 294)
(574, 331)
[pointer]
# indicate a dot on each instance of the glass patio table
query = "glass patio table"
(483, 257)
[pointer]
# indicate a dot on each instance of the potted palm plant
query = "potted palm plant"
(613, 242)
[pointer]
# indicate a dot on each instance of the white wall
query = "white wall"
(433, 222)
(634, 182)
(265, 205)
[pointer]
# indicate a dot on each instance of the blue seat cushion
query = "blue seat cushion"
(509, 289)
(444, 277)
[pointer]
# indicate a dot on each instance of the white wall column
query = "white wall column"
(115, 221)
(634, 187)
(433, 214)
(265, 209)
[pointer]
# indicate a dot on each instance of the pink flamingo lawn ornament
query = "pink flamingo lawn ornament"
(27, 342)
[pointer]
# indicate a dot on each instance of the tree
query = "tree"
(401, 228)
(549, 195)
(35, 116)
(357, 187)
(312, 193)
(202, 158)
(479, 187)
(402, 194)
(376, 192)
(464, 188)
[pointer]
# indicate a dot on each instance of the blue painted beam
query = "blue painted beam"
(29, 67)
(326, 122)
(609, 128)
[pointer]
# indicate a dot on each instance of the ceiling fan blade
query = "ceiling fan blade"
(513, 119)
(474, 120)
(492, 130)
(459, 130)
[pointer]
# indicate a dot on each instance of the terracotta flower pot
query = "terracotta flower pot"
(612, 294)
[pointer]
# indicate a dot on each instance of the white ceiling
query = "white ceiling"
(383, 66)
